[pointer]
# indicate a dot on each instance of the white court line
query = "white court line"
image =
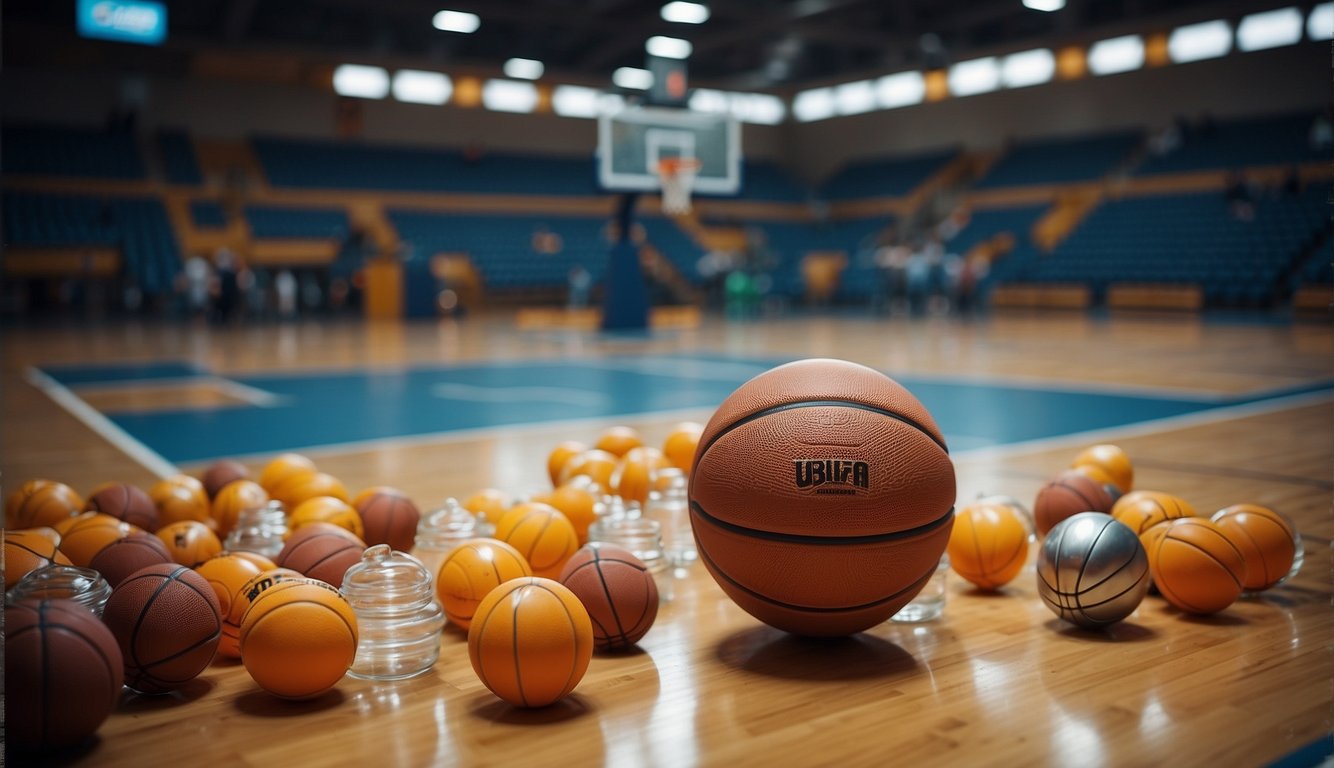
(246, 393)
(235, 389)
(94, 420)
(565, 395)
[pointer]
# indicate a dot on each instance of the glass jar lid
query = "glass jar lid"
(62, 582)
(386, 576)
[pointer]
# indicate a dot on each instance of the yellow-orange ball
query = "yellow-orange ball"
(634, 475)
(180, 497)
(1141, 510)
(1195, 566)
(597, 465)
(235, 498)
(490, 502)
(681, 444)
(472, 569)
(1112, 461)
(988, 545)
(561, 454)
(1267, 542)
(326, 509)
(283, 466)
(578, 503)
(227, 574)
(619, 440)
(28, 550)
(298, 639)
(300, 488)
(40, 503)
(530, 641)
(540, 533)
(83, 536)
(189, 542)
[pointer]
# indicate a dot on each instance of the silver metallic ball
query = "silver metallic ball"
(1092, 570)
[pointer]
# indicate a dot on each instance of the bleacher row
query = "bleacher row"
(1191, 238)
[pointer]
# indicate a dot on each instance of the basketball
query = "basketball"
(190, 543)
(235, 498)
(595, 464)
(179, 498)
(1195, 566)
(618, 440)
(821, 497)
(83, 536)
(41, 502)
(26, 551)
(989, 544)
(530, 641)
(122, 557)
(1141, 510)
(679, 447)
(298, 488)
(262, 562)
(1111, 461)
(167, 623)
(326, 509)
(577, 502)
(1267, 542)
(124, 501)
(222, 473)
(618, 592)
(540, 533)
(241, 599)
(1069, 494)
(321, 551)
(1092, 570)
(636, 472)
(489, 502)
(281, 468)
(1099, 476)
(298, 639)
(227, 574)
(388, 516)
(63, 674)
(562, 453)
(473, 569)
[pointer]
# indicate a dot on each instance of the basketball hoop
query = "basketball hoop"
(678, 179)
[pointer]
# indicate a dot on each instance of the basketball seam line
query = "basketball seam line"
(514, 649)
(538, 538)
(351, 630)
(198, 644)
(111, 673)
(480, 666)
(143, 611)
(615, 615)
(816, 403)
(322, 560)
(574, 634)
(1112, 575)
(1264, 563)
(1215, 559)
(1091, 547)
(1083, 607)
(582, 566)
(796, 538)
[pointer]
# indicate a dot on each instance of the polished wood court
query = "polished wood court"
(997, 681)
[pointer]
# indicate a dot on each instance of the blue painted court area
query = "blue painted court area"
(325, 408)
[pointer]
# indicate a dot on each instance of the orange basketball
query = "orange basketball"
(540, 533)
(578, 503)
(989, 544)
(597, 465)
(388, 516)
(299, 488)
(41, 502)
(84, 536)
(561, 454)
(249, 592)
(490, 502)
(1068, 495)
(1113, 462)
(262, 562)
(680, 445)
(125, 501)
(178, 498)
(822, 497)
(232, 500)
(1141, 510)
(1267, 542)
(1096, 474)
(635, 474)
(530, 641)
(222, 472)
(281, 468)
(617, 590)
(28, 550)
(227, 574)
(619, 440)
(298, 639)
(326, 509)
(473, 569)
(189, 542)
(1195, 566)
(321, 551)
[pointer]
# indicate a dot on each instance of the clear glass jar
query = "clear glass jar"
(642, 538)
(260, 530)
(63, 582)
(930, 602)
(667, 504)
(398, 618)
(440, 530)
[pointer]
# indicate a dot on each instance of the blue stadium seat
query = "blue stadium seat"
(283, 222)
(1273, 140)
(57, 151)
(884, 177)
(1055, 161)
(179, 163)
(208, 214)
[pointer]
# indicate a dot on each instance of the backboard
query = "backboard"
(634, 139)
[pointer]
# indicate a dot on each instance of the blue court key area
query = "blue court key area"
(333, 407)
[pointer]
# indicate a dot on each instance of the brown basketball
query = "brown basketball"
(166, 622)
(618, 591)
(127, 502)
(821, 497)
(63, 674)
(122, 557)
(220, 473)
(388, 517)
(321, 551)
(1069, 494)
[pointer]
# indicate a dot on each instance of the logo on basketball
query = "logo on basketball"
(815, 473)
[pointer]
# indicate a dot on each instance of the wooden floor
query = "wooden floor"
(996, 681)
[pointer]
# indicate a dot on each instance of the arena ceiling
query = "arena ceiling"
(745, 44)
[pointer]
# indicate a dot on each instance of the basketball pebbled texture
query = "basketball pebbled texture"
(618, 591)
(127, 502)
(167, 622)
(321, 551)
(828, 558)
(122, 557)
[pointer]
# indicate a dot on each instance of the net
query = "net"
(678, 180)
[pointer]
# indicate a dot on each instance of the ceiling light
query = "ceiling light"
(1116, 54)
(1195, 42)
(578, 101)
(759, 108)
(361, 81)
(1028, 68)
(812, 105)
(669, 47)
(709, 100)
(1045, 5)
(420, 87)
(685, 13)
(975, 76)
(630, 77)
(1320, 24)
(1270, 29)
(855, 98)
(509, 96)
(524, 69)
(901, 90)
(457, 21)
